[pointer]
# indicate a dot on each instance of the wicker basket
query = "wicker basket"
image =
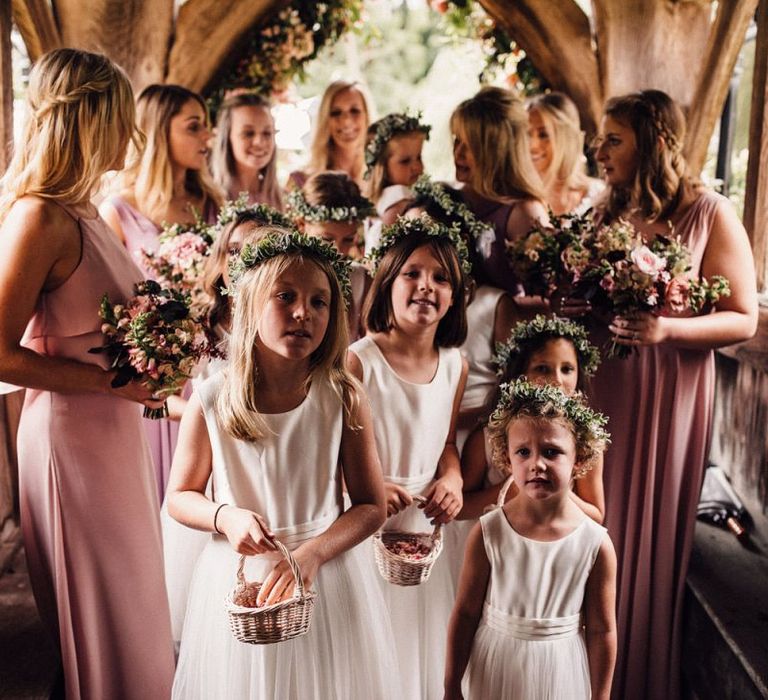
(399, 569)
(273, 623)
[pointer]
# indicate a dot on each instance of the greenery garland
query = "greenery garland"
(270, 216)
(387, 128)
(254, 254)
(548, 327)
(404, 227)
(357, 211)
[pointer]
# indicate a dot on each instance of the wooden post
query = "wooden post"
(756, 195)
(6, 86)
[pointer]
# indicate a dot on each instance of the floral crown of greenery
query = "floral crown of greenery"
(357, 210)
(231, 209)
(425, 225)
(386, 128)
(274, 244)
(549, 327)
(523, 397)
(200, 228)
(436, 192)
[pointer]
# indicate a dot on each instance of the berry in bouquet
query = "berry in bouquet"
(154, 338)
(626, 275)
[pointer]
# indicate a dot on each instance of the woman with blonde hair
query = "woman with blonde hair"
(166, 182)
(244, 155)
(557, 152)
(501, 186)
(338, 142)
(660, 399)
(89, 510)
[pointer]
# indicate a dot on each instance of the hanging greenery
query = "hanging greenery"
(275, 52)
(466, 19)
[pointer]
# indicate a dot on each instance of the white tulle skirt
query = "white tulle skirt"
(508, 668)
(419, 616)
(347, 654)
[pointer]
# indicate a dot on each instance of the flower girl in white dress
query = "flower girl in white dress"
(280, 428)
(535, 613)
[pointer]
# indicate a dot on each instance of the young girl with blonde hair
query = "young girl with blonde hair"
(557, 151)
(501, 186)
(244, 154)
(167, 182)
(247, 427)
(338, 141)
(88, 497)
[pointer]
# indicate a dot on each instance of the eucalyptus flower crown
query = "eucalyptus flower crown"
(522, 398)
(424, 225)
(358, 210)
(549, 327)
(481, 232)
(274, 244)
(386, 128)
(231, 209)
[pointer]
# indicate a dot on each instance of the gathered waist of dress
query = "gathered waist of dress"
(294, 535)
(530, 628)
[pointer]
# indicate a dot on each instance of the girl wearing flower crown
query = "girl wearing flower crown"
(393, 164)
(534, 616)
(247, 427)
(244, 154)
(414, 375)
(330, 207)
(546, 350)
(501, 186)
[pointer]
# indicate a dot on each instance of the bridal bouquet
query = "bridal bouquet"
(153, 337)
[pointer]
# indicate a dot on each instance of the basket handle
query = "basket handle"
(436, 531)
(295, 570)
(502, 497)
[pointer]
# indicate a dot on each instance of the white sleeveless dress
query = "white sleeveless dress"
(293, 479)
(411, 422)
(530, 643)
(374, 225)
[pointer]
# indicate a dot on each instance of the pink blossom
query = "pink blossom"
(608, 283)
(646, 261)
(676, 294)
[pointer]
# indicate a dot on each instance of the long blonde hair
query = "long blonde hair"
(223, 160)
(81, 118)
(321, 149)
(494, 125)
(561, 117)
(236, 402)
(149, 176)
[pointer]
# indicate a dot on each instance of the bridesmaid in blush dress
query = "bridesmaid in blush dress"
(167, 182)
(88, 500)
(659, 400)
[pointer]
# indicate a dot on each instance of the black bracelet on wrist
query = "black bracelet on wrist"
(216, 517)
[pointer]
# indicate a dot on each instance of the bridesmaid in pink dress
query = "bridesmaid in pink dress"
(167, 182)
(501, 185)
(88, 500)
(660, 400)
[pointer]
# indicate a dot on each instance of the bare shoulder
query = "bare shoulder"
(354, 365)
(524, 215)
(38, 219)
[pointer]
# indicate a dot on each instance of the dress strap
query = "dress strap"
(531, 628)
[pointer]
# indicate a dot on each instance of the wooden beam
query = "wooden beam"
(206, 33)
(715, 70)
(756, 195)
(557, 38)
(37, 26)
(135, 34)
(6, 86)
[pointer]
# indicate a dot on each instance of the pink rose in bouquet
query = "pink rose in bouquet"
(154, 338)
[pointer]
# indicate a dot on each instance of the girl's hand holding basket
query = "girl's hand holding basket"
(398, 499)
(280, 583)
(444, 499)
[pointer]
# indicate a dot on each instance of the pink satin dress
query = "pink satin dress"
(89, 508)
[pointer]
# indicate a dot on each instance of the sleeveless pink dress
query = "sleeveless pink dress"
(659, 402)
(89, 510)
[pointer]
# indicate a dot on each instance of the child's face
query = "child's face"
(463, 159)
(557, 364)
(542, 454)
(341, 235)
(421, 292)
(296, 316)
(404, 164)
(540, 137)
(252, 137)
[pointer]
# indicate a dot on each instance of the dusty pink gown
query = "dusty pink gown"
(660, 406)
(89, 510)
